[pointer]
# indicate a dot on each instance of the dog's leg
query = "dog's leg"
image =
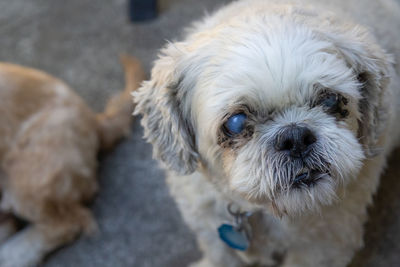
(28, 247)
(53, 224)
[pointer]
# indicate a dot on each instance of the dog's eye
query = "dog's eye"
(333, 103)
(330, 101)
(235, 124)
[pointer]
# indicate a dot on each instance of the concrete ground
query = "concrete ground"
(79, 41)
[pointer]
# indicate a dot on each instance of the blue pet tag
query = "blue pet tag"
(232, 237)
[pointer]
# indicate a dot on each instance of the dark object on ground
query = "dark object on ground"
(141, 10)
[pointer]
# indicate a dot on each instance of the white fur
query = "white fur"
(272, 59)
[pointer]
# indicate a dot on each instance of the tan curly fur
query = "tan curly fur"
(49, 141)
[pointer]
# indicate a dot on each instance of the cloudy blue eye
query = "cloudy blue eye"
(235, 124)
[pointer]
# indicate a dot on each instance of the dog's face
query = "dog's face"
(279, 113)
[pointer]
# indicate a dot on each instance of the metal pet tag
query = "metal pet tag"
(232, 237)
(236, 236)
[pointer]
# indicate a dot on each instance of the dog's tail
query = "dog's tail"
(115, 122)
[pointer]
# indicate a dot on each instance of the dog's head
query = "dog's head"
(276, 111)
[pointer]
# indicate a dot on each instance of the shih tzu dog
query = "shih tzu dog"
(49, 142)
(274, 120)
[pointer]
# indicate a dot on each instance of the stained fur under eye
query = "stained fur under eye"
(225, 140)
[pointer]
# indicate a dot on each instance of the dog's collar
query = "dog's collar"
(237, 234)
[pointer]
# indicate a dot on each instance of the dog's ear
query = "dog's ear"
(166, 125)
(372, 66)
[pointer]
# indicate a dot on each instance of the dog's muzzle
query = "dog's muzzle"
(297, 144)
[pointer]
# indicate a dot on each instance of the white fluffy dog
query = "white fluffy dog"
(274, 120)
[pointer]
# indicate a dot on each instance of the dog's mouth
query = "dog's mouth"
(308, 178)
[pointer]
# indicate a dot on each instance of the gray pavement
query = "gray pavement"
(79, 41)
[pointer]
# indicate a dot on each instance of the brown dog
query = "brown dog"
(49, 141)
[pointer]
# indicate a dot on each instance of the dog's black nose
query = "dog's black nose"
(295, 139)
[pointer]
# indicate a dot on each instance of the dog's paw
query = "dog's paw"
(20, 251)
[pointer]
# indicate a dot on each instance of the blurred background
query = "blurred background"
(79, 41)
